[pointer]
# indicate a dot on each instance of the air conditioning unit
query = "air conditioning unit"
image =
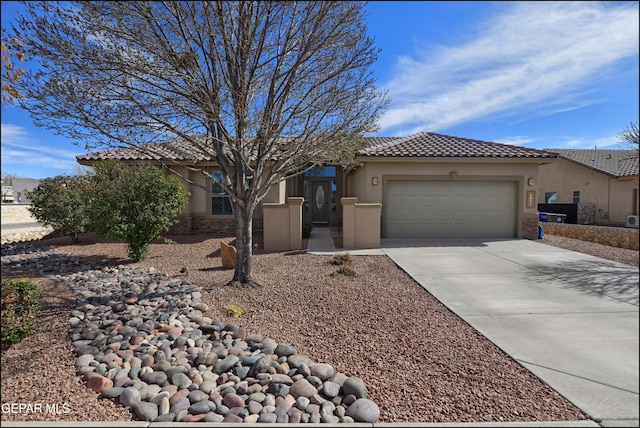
(633, 221)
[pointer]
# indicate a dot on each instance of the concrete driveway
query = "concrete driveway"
(570, 318)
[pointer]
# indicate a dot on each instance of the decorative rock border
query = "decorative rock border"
(142, 338)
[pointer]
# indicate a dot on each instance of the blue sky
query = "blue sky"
(535, 74)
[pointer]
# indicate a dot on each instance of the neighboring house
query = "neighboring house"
(21, 186)
(426, 185)
(594, 186)
(7, 194)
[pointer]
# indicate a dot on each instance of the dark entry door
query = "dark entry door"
(320, 201)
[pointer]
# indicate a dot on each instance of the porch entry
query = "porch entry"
(320, 201)
(321, 195)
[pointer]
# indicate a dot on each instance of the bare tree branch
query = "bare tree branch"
(264, 89)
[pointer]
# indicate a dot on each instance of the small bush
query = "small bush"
(136, 203)
(234, 310)
(20, 305)
(307, 225)
(342, 259)
(168, 241)
(64, 203)
(346, 270)
(345, 263)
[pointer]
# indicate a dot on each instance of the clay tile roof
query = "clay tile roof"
(613, 163)
(175, 151)
(431, 145)
(424, 144)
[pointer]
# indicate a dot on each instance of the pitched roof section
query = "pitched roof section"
(613, 163)
(421, 145)
(168, 151)
(431, 145)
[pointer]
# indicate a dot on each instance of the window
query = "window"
(576, 197)
(550, 197)
(321, 171)
(220, 203)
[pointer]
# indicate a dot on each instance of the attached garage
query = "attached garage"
(450, 209)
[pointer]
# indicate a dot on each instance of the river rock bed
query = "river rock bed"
(142, 338)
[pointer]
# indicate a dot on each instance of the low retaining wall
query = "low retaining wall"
(23, 235)
(612, 236)
(16, 212)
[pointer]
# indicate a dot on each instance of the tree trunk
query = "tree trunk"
(243, 273)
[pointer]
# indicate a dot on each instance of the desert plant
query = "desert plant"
(345, 263)
(235, 310)
(136, 203)
(346, 270)
(20, 305)
(342, 259)
(63, 202)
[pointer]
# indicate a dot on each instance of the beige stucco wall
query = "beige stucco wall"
(361, 225)
(283, 225)
(360, 181)
(618, 198)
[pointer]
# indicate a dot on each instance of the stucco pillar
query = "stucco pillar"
(282, 225)
(363, 232)
(295, 222)
(348, 222)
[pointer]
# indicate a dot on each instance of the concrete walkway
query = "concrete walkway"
(569, 318)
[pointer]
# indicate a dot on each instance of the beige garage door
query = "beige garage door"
(450, 209)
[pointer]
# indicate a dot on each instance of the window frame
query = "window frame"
(218, 193)
(549, 195)
(576, 196)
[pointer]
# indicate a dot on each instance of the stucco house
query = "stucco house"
(591, 186)
(422, 185)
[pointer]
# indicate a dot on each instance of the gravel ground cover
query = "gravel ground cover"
(420, 362)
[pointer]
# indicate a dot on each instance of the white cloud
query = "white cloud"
(20, 148)
(516, 140)
(535, 58)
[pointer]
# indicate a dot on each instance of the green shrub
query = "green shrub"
(136, 203)
(307, 225)
(20, 305)
(63, 202)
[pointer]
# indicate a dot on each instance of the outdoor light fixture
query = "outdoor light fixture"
(531, 182)
(374, 181)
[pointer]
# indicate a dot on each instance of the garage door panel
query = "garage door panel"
(427, 201)
(450, 209)
(459, 201)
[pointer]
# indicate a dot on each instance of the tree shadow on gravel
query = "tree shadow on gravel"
(49, 263)
(215, 269)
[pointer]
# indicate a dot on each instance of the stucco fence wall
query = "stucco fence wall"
(18, 213)
(612, 236)
(12, 213)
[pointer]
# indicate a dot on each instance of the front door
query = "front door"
(320, 201)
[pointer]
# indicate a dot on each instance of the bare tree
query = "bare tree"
(265, 88)
(631, 135)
